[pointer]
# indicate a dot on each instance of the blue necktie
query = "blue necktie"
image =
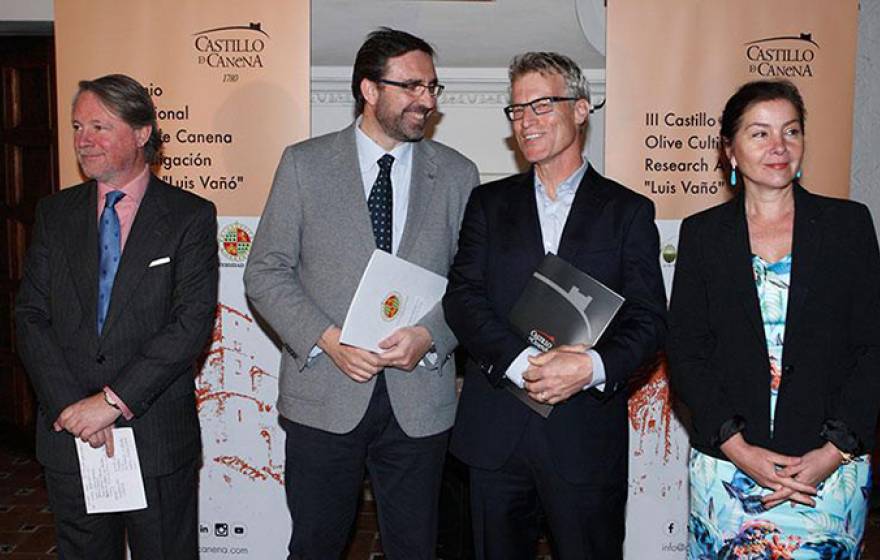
(109, 252)
(380, 204)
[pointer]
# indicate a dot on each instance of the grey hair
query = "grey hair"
(551, 63)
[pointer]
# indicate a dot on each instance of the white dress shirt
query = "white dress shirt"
(369, 154)
(552, 215)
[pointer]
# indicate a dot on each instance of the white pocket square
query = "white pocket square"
(159, 262)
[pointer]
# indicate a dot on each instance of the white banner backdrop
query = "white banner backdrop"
(656, 524)
(242, 510)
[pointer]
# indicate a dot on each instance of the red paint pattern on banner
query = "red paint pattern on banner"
(256, 374)
(274, 470)
(228, 389)
(641, 484)
(650, 412)
(222, 396)
(216, 361)
(240, 465)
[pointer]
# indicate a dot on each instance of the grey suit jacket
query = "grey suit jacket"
(158, 322)
(312, 245)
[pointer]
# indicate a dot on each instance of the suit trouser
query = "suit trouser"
(166, 530)
(324, 475)
(586, 521)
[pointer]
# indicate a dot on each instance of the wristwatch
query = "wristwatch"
(110, 400)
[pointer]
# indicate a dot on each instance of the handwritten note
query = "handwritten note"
(112, 484)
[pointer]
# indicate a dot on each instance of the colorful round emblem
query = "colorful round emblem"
(235, 241)
(391, 306)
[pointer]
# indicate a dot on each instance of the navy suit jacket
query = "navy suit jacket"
(159, 320)
(610, 234)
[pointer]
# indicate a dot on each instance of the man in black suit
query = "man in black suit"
(116, 304)
(570, 468)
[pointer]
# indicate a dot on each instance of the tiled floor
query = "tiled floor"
(27, 533)
(26, 530)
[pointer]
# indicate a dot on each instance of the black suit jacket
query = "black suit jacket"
(717, 351)
(610, 234)
(159, 319)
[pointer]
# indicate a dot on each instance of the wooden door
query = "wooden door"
(29, 171)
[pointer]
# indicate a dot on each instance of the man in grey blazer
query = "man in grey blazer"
(335, 199)
(115, 305)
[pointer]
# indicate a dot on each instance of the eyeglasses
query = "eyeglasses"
(416, 88)
(540, 106)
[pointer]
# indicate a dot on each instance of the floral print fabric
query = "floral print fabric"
(727, 519)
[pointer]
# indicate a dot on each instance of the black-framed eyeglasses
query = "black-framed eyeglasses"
(540, 106)
(416, 88)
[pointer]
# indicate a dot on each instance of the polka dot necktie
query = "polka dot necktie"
(109, 252)
(381, 204)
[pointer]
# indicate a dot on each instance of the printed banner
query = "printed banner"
(231, 84)
(671, 65)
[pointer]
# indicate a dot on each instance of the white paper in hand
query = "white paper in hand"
(115, 483)
(393, 293)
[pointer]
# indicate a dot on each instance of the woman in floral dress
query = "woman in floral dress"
(774, 334)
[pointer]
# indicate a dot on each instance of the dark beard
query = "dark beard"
(397, 127)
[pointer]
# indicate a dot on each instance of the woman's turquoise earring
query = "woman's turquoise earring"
(733, 176)
(798, 174)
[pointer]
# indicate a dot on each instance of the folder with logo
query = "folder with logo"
(561, 305)
(392, 293)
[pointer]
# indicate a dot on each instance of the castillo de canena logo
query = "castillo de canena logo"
(235, 241)
(391, 306)
(233, 47)
(786, 56)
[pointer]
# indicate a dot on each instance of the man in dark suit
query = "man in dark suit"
(335, 199)
(570, 468)
(116, 303)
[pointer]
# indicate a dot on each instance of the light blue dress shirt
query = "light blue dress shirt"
(552, 215)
